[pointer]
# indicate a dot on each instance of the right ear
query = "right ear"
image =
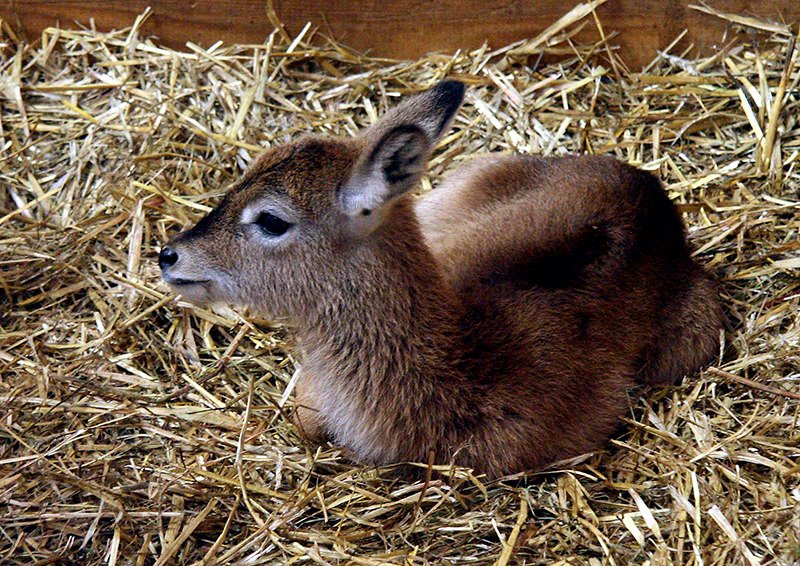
(397, 149)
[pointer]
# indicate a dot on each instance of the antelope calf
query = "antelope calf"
(497, 321)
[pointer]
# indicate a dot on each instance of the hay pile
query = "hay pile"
(134, 430)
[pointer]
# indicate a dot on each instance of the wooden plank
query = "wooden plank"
(404, 28)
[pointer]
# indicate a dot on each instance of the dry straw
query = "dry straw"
(135, 430)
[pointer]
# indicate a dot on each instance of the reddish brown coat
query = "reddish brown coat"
(498, 321)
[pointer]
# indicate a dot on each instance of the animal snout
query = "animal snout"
(181, 268)
(167, 257)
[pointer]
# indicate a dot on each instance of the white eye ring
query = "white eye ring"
(271, 224)
(268, 222)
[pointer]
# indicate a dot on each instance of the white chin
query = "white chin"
(197, 294)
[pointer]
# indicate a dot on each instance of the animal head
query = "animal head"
(294, 227)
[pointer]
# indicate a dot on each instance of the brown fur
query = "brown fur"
(499, 321)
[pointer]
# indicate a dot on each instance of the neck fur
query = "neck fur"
(384, 350)
(395, 312)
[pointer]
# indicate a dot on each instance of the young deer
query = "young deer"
(498, 321)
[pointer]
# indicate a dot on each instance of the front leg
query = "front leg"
(307, 417)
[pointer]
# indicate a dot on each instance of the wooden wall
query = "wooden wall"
(399, 28)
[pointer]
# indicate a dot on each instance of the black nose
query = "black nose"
(167, 257)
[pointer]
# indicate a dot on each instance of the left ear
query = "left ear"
(398, 148)
(392, 167)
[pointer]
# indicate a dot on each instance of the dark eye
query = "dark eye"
(271, 225)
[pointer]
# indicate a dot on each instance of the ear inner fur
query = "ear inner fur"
(401, 154)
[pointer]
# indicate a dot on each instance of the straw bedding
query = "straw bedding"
(137, 430)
